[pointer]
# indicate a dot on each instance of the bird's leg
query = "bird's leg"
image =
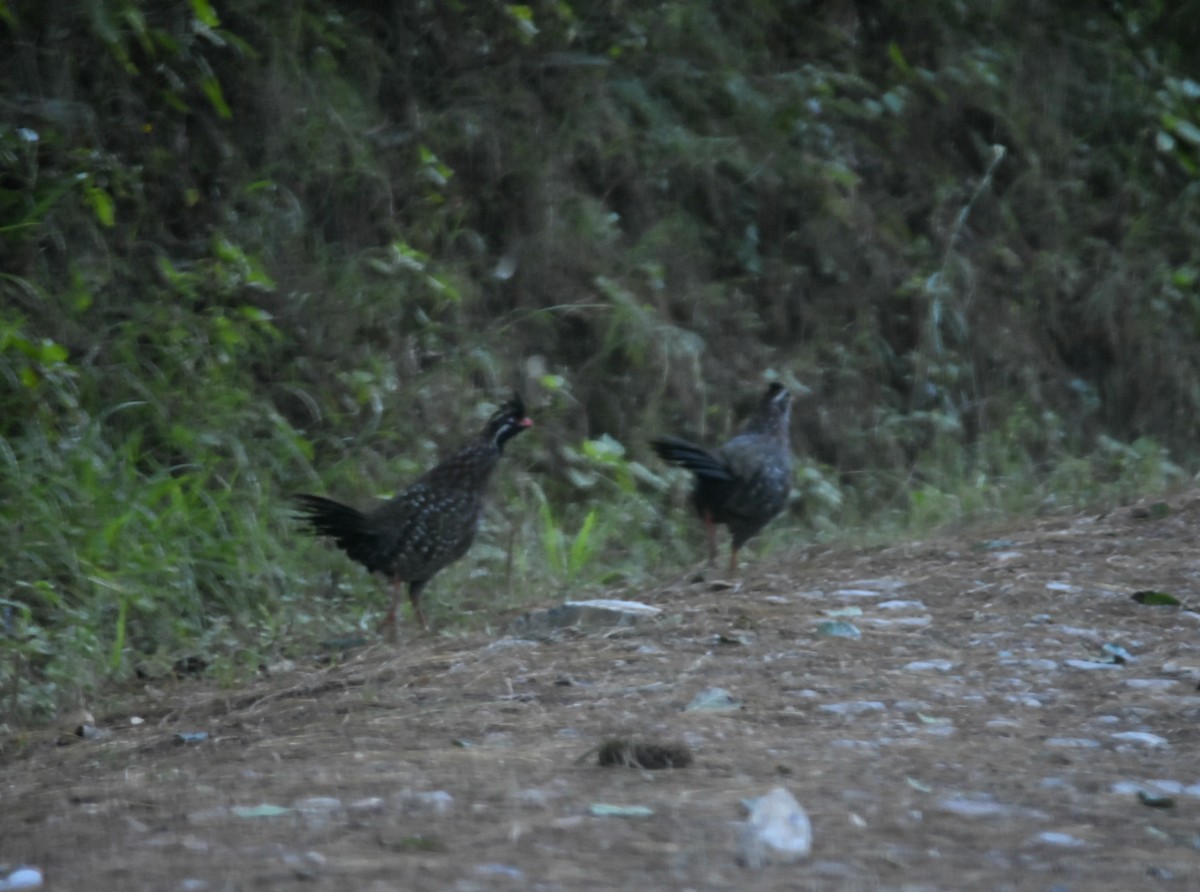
(710, 536)
(414, 596)
(733, 553)
(388, 626)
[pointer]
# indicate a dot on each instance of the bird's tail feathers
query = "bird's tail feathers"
(695, 458)
(347, 526)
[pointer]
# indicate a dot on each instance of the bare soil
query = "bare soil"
(996, 768)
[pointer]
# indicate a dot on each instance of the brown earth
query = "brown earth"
(936, 777)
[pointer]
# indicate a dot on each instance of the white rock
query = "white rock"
(986, 807)
(1153, 788)
(930, 666)
(1090, 664)
(974, 808)
(1062, 840)
(853, 707)
(23, 878)
(885, 583)
(777, 832)
(317, 804)
(882, 623)
(599, 613)
(1143, 737)
(1080, 743)
(636, 608)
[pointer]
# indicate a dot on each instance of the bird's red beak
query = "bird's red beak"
(526, 422)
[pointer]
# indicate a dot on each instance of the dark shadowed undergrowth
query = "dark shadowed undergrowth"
(278, 248)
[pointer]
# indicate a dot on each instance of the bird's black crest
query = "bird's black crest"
(514, 408)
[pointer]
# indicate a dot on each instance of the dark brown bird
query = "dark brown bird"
(426, 526)
(746, 482)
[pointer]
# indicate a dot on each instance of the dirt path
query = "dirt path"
(955, 746)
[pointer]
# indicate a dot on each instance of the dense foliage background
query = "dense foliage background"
(305, 246)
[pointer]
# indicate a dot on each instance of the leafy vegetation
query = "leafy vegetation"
(249, 251)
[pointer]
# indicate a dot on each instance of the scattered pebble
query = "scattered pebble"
(265, 810)
(318, 803)
(604, 809)
(1154, 787)
(900, 605)
(1143, 737)
(837, 628)
(1090, 664)
(23, 878)
(939, 728)
(930, 666)
(853, 707)
(1061, 840)
(778, 831)
(986, 807)
(911, 621)
(1004, 723)
(886, 584)
(306, 866)
(500, 870)
(318, 812)
(843, 612)
(593, 615)
(713, 700)
(1079, 743)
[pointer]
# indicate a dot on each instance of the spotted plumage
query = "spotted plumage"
(746, 482)
(429, 524)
